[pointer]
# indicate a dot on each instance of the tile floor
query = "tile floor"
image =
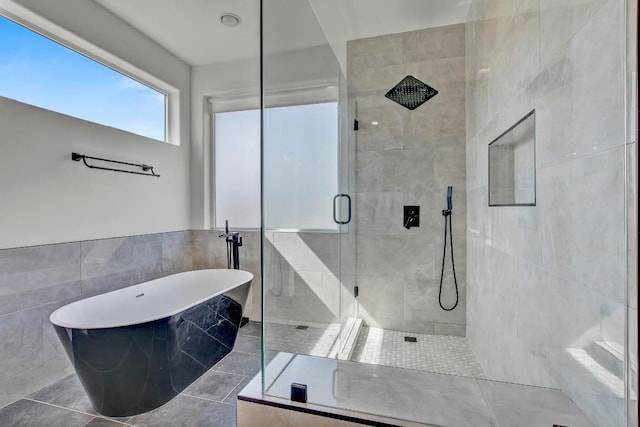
(432, 353)
(210, 401)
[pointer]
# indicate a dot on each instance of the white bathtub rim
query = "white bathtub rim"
(61, 316)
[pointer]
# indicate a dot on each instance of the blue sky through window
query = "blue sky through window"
(40, 72)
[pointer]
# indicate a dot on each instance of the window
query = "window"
(300, 161)
(237, 169)
(38, 71)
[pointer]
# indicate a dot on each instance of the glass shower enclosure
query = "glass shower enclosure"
(544, 289)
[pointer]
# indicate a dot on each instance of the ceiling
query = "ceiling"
(191, 29)
(344, 20)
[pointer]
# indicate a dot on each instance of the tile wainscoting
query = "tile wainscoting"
(36, 280)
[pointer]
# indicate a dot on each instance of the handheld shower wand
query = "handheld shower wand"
(447, 222)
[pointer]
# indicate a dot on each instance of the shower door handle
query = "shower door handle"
(335, 217)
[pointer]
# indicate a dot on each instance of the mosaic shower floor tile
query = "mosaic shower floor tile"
(301, 339)
(432, 353)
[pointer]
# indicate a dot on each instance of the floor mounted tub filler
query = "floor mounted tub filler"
(136, 348)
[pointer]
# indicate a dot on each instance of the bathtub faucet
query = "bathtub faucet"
(234, 241)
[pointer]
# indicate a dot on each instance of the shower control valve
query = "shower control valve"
(411, 217)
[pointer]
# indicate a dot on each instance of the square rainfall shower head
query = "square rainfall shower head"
(411, 93)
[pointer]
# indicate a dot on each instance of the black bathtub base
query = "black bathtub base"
(133, 369)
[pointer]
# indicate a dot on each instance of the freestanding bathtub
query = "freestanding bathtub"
(136, 348)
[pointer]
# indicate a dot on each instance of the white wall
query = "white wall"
(47, 198)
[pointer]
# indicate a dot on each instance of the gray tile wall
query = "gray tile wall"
(302, 273)
(409, 158)
(546, 284)
(35, 281)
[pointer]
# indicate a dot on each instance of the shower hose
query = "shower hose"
(447, 221)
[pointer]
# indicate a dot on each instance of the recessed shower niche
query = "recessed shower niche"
(512, 165)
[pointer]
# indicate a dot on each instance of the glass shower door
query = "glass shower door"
(349, 321)
(308, 243)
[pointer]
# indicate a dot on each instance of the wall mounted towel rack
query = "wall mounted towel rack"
(147, 170)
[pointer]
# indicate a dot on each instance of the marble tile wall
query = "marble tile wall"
(546, 284)
(35, 281)
(303, 284)
(409, 158)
